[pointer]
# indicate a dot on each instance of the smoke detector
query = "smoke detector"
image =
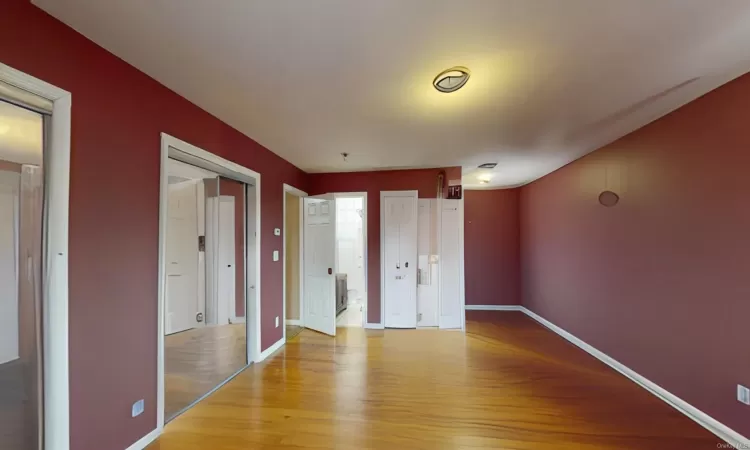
(451, 80)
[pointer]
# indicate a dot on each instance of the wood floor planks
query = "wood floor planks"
(507, 383)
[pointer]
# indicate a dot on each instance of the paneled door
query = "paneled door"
(319, 297)
(399, 245)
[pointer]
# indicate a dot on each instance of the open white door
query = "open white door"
(319, 301)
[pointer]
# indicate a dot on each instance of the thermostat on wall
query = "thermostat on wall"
(277, 231)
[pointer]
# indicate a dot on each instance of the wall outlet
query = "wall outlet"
(137, 408)
(275, 255)
(277, 231)
(277, 321)
(743, 394)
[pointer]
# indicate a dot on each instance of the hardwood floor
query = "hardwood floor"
(292, 331)
(508, 383)
(197, 360)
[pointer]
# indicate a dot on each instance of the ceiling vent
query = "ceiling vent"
(451, 80)
(488, 166)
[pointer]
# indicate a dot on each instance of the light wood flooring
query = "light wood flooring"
(198, 360)
(508, 383)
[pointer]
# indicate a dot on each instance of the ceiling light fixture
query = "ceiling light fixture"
(487, 166)
(484, 178)
(452, 79)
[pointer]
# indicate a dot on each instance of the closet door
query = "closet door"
(450, 265)
(399, 258)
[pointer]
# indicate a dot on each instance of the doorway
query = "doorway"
(351, 286)
(209, 270)
(333, 236)
(292, 244)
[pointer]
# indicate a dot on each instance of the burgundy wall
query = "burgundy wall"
(492, 247)
(118, 115)
(422, 180)
(660, 281)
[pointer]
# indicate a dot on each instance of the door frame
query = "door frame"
(56, 397)
(383, 195)
(287, 188)
(338, 195)
(188, 153)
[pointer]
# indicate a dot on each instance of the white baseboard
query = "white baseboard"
(267, 352)
(714, 426)
(237, 320)
(492, 307)
(374, 326)
(143, 442)
(296, 322)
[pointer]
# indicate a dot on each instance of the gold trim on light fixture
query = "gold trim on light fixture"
(452, 79)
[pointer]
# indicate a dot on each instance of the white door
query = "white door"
(227, 264)
(319, 298)
(182, 258)
(399, 213)
(220, 260)
(451, 303)
(427, 290)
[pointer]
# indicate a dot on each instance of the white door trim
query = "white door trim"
(183, 151)
(55, 257)
(383, 195)
(364, 237)
(301, 194)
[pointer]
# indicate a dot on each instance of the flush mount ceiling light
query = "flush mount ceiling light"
(451, 80)
(484, 178)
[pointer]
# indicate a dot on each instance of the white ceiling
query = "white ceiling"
(551, 80)
(21, 134)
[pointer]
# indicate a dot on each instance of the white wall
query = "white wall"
(350, 244)
(8, 266)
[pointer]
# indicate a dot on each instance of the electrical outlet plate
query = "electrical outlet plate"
(277, 321)
(275, 255)
(138, 408)
(743, 394)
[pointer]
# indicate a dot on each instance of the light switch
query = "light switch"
(275, 255)
(277, 231)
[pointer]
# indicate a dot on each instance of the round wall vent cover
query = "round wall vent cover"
(608, 198)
